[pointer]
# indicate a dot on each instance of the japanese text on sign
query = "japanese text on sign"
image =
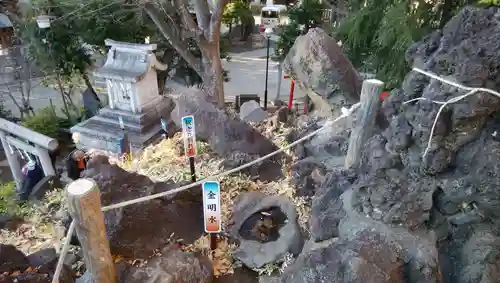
(122, 125)
(189, 135)
(211, 207)
(163, 124)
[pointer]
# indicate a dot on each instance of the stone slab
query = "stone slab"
(103, 130)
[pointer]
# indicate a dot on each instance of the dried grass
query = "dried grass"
(38, 231)
(166, 161)
(221, 257)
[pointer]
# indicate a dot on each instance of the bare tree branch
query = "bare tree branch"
(170, 36)
(215, 20)
(203, 16)
(188, 20)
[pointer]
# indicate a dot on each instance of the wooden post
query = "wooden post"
(370, 101)
(84, 201)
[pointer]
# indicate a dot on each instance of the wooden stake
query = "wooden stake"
(192, 169)
(213, 241)
(84, 201)
(370, 101)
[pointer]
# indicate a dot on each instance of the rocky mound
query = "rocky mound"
(401, 217)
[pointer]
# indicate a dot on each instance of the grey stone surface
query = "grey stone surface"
(42, 257)
(103, 131)
(253, 253)
(224, 134)
(318, 63)
(250, 111)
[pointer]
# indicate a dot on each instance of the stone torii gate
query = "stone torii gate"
(14, 135)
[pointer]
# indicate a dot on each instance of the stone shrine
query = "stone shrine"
(131, 82)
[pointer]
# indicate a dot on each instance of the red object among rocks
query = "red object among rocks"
(384, 94)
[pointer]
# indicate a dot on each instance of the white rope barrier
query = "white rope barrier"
(64, 251)
(345, 113)
(183, 188)
(471, 90)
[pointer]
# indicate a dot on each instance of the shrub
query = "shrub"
(8, 204)
(44, 122)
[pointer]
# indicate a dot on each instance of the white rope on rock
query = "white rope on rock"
(471, 91)
(64, 251)
(345, 113)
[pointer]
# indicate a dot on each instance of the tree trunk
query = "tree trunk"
(213, 80)
(89, 85)
(446, 12)
(206, 31)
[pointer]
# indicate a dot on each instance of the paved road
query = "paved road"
(247, 71)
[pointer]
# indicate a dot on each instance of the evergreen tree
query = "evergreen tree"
(377, 33)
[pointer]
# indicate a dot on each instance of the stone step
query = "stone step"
(101, 136)
(129, 126)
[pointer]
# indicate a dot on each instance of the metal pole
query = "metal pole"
(280, 77)
(192, 169)
(267, 71)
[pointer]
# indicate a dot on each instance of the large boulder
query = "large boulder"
(158, 219)
(224, 134)
(317, 63)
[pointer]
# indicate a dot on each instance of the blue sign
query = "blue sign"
(164, 125)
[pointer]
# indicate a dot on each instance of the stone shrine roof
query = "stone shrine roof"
(128, 61)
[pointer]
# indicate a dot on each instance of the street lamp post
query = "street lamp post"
(268, 33)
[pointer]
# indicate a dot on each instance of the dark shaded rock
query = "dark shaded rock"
(9, 221)
(224, 134)
(158, 219)
(282, 114)
(307, 175)
(447, 200)
(49, 267)
(5, 279)
(398, 135)
(368, 258)
(173, 266)
(12, 259)
(394, 197)
(45, 185)
(327, 207)
(32, 278)
(42, 257)
(480, 257)
(237, 159)
(256, 254)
